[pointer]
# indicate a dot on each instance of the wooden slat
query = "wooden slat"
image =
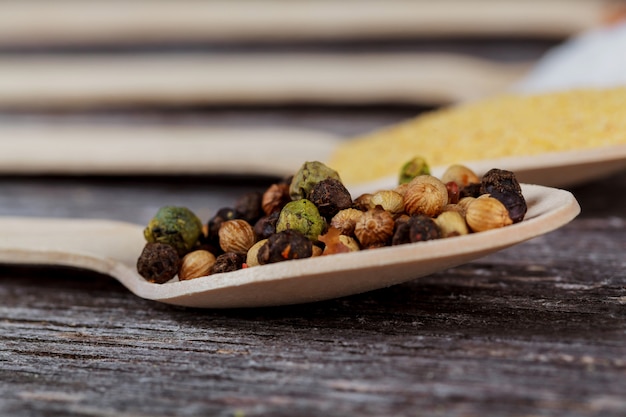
(24, 22)
(78, 81)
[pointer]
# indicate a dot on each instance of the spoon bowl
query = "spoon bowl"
(112, 248)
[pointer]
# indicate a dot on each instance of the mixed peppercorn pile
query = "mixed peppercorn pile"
(313, 214)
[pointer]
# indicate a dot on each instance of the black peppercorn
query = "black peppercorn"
(422, 228)
(222, 215)
(470, 190)
(248, 207)
(158, 262)
(283, 246)
(228, 262)
(266, 226)
(504, 187)
(401, 234)
(330, 196)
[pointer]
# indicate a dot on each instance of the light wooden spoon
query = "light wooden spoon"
(112, 248)
(36, 22)
(169, 150)
(176, 79)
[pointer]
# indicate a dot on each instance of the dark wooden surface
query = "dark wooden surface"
(536, 330)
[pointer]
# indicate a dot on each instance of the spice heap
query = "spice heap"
(501, 126)
(313, 214)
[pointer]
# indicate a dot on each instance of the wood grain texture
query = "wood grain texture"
(539, 329)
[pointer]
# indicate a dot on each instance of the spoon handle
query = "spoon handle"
(98, 245)
(196, 79)
(119, 150)
(96, 21)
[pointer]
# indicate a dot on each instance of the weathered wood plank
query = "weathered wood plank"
(538, 329)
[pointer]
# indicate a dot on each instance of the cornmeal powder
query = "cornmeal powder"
(494, 128)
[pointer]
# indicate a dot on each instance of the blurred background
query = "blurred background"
(215, 60)
(342, 67)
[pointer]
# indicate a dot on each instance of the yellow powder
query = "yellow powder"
(494, 128)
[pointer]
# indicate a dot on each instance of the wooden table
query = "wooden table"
(535, 330)
(538, 329)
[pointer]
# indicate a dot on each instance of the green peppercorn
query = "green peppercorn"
(178, 227)
(415, 167)
(302, 216)
(307, 176)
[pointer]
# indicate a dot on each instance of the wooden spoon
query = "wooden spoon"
(166, 150)
(112, 248)
(176, 79)
(71, 22)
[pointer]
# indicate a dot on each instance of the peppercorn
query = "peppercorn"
(307, 176)
(266, 225)
(401, 234)
(451, 223)
(453, 192)
(236, 236)
(389, 200)
(485, 213)
(363, 202)
(214, 224)
(470, 190)
(335, 242)
(283, 246)
(460, 174)
(374, 228)
(503, 186)
(196, 264)
(228, 262)
(330, 196)
(346, 220)
(422, 228)
(413, 168)
(248, 207)
(303, 216)
(175, 226)
(425, 195)
(251, 256)
(158, 262)
(275, 198)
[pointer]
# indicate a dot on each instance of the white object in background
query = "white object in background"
(594, 59)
